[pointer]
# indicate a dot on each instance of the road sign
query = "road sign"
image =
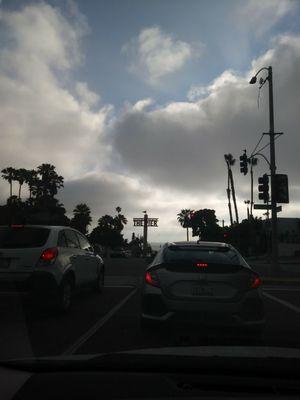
(150, 222)
(266, 207)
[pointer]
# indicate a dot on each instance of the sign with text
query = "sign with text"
(150, 222)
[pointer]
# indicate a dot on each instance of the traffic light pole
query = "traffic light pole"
(273, 172)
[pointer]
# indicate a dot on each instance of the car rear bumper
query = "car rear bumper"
(245, 312)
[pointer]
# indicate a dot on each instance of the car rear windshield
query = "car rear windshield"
(23, 237)
(215, 255)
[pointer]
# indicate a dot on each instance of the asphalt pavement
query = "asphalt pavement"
(107, 322)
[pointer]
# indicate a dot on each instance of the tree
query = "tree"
(9, 174)
(47, 181)
(184, 219)
(230, 161)
(20, 176)
(205, 225)
(82, 218)
(30, 179)
(120, 219)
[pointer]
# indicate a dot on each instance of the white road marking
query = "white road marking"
(98, 325)
(282, 302)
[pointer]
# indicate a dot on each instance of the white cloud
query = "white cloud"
(155, 55)
(182, 145)
(142, 104)
(261, 16)
(41, 121)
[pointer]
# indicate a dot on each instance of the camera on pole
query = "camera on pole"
(244, 163)
(263, 188)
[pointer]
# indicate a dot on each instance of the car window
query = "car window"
(72, 240)
(22, 237)
(84, 244)
(62, 241)
(207, 254)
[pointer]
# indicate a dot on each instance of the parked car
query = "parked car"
(50, 262)
(205, 283)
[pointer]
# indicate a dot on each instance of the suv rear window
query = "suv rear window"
(23, 237)
(215, 255)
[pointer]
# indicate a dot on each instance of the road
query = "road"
(109, 321)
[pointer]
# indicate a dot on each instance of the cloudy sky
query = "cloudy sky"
(136, 102)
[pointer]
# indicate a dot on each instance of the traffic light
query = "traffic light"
(263, 188)
(281, 188)
(244, 164)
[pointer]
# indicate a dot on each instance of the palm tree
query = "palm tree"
(50, 181)
(230, 161)
(120, 219)
(9, 174)
(183, 218)
(30, 179)
(82, 218)
(20, 175)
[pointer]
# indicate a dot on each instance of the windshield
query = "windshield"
(149, 175)
(22, 237)
(208, 254)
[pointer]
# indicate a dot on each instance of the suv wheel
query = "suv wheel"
(65, 295)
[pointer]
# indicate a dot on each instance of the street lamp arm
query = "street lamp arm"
(253, 79)
(262, 155)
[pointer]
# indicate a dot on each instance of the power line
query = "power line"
(268, 144)
(262, 135)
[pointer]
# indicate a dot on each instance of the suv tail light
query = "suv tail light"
(151, 278)
(49, 255)
(255, 281)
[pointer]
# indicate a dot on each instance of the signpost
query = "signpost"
(266, 207)
(145, 222)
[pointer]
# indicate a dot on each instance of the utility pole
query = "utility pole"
(271, 133)
(273, 172)
(145, 243)
(251, 201)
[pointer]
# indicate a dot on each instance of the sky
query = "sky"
(136, 102)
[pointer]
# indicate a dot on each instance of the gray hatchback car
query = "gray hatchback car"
(49, 262)
(207, 283)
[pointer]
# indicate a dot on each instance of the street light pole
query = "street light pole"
(273, 172)
(272, 164)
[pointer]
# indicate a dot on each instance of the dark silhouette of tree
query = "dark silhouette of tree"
(230, 161)
(47, 181)
(82, 218)
(108, 231)
(184, 219)
(205, 225)
(20, 176)
(120, 219)
(30, 179)
(9, 174)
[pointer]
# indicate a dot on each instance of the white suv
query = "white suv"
(48, 261)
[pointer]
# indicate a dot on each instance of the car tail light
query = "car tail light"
(201, 265)
(255, 282)
(49, 255)
(151, 278)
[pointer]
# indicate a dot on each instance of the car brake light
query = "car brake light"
(49, 254)
(151, 279)
(256, 282)
(202, 265)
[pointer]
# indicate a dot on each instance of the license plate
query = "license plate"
(201, 291)
(4, 263)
